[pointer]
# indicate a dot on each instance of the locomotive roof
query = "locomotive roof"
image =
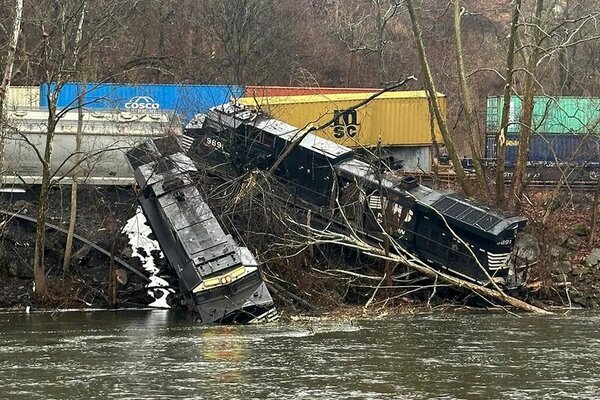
(234, 115)
(312, 142)
(474, 216)
(181, 209)
(470, 216)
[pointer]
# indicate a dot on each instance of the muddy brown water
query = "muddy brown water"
(163, 355)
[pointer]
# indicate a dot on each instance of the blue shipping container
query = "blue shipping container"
(186, 100)
(548, 149)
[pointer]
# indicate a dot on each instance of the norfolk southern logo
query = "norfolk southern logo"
(142, 103)
(345, 123)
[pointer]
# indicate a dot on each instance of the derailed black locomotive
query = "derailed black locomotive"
(220, 280)
(442, 229)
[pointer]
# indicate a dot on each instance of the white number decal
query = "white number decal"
(212, 142)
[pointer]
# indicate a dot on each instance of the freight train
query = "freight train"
(566, 137)
(220, 280)
(341, 191)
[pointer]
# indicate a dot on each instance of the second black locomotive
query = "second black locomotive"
(442, 229)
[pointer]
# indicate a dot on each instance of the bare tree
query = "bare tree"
(239, 29)
(59, 58)
(7, 77)
(508, 82)
(430, 87)
(529, 90)
(363, 26)
(75, 181)
(78, 139)
(473, 137)
(540, 43)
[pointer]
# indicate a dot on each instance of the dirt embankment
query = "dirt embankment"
(102, 213)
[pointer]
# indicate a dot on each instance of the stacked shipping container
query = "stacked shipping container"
(268, 91)
(566, 129)
(400, 122)
(186, 100)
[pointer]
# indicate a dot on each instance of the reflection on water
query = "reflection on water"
(224, 349)
(159, 354)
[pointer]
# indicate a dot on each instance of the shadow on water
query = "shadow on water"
(160, 354)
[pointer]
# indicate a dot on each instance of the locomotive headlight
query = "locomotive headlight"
(221, 280)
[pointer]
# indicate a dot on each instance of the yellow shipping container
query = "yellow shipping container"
(393, 118)
(23, 96)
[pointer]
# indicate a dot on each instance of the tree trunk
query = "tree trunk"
(6, 79)
(526, 123)
(39, 272)
(112, 277)
(75, 185)
(460, 173)
(526, 129)
(435, 147)
(78, 138)
(380, 26)
(594, 214)
(503, 129)
(482, 184)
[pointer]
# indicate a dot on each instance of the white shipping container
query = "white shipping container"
(415, 159)
(23, 96)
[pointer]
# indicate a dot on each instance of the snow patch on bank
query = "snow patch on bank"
(138, 232)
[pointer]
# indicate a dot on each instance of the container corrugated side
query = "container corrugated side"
(267, 91)
(393, 118)
(23, 96)
(551, 115)
(105, 138)
(186, 100)
(556, 148)
(490, 147)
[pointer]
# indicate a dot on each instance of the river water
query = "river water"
(163, 355)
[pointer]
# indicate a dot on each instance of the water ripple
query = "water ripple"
(160, 355)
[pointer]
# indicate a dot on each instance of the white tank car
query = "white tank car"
(107, 135)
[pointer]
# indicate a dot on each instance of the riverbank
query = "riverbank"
(102, 213)
(564, 264)
(563, 268)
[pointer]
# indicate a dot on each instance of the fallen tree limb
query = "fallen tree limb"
(407, 259)
(278, 289)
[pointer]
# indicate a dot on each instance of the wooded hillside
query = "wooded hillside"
(311, 42)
